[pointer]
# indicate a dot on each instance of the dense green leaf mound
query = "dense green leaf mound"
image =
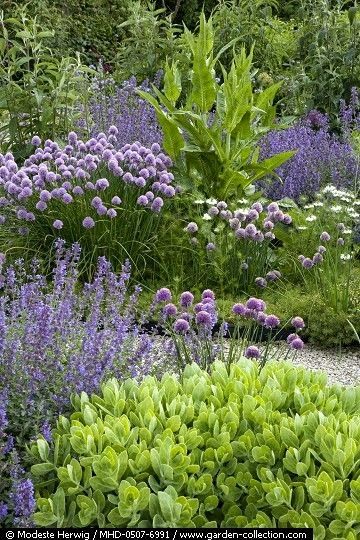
(231, 448)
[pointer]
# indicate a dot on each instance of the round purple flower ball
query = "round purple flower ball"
(191, 227)
(208, 293)
(261, 282)
(170, 310)
(307, 263)
(255, 303)
(297, 344)
(271, 321)
(340, 242)
(203, 318)
(142, 200)
(116, 201)
(181, 326)
(298, 323)
(111, 213)
(325, 236)
(36, 141)
(252, 352)
(322, 249)
(163, 295)
(58, 224)
(88, 222)
(317, 258)
(210, 247)
(186, 299)
(239, 309)
(291, 338)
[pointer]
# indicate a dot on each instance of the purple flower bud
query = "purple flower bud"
(261, 282)
(291, 338)
(340, 242)
(210, 247)
(41, 206)
(36, 141)
(273, 207)
(102, 184)
(101, 210)
(203, 318)
(322, 249)
(96, 202)
(307, 263)
(341, 227)
(317, 258)
(157, 204)
(287, 219)
(67, 198)
(142, 200)
(111, 213)
(208, 293)
(257, 206)
(213, 211)
(255, 303)
(78, 190)
(239, 309)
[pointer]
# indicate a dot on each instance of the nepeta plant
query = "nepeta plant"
(112, 104)
(109, 200)
(321, 158)
(57, 339)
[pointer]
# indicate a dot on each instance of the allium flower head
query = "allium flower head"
(271, 321)
(203, 318)
(297, 344)
(255, 303)
(186, 299)
(58, 224)
(191, 227)
(170, 310)
(252, 352)
(291, 338)
(239, 309)
(163, 295)
(261, 282)
(181, 326)
(322, 249)
(116, 201)
(210, 246)
(307, 263)
(317, 258)
(325, 236)
(36, 141)
(208, 293)
(88, 222)
(298, 323)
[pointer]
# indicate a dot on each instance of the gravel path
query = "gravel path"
(341, 368)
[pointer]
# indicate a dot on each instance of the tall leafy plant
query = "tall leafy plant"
(38, 91)
(212, 133)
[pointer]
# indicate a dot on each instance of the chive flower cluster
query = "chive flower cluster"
(92, 176)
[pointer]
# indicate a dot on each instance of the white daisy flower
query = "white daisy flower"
(318, 204)
(336, 208)
(199, 201)
(312, 217)
(207, 217)
(211, 201)
(301, 228)
(345, 256)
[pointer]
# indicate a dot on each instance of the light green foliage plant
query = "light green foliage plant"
(229, 448)
(38, 91)
(213, 135)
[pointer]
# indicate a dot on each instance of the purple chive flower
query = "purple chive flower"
(298, 323)
(111, 213)
(322, 249)
(307, 263)
(256, 304)
(101, 210)
(210, 247)
(157, 204)
(252, 352)
(261, 317)
(234, 223)
(325, 236)
(291, 338)
(102, 184)
(317, 258)
(239, 309)
(78, 190)
(261, 282)
(297, 344)
(240, 233)
(181, 326)
(67, 198)
(272, 276)
(271, 321)
(142, 200)
(222, 205)
(273, 207)
(170, 310)
(340, 242)
(191, 228)
(88, 222)
(340, 227)
(36, 141)
(257, 206)
(203, 318)
(186, 299)
(250, 230)
(116, 201)
(213, 211)
(58, 224)
(268, 225)
(253, 215)
(96, 202)
(163, 295)
(208, 293)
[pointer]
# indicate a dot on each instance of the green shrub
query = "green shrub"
(227, 448)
